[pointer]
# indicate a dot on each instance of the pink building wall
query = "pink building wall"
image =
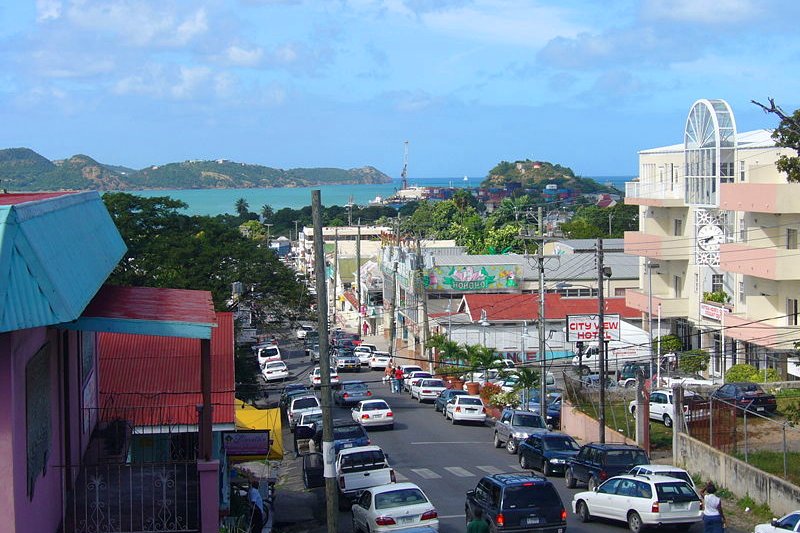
(42, 511)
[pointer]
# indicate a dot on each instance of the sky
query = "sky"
(344, 83)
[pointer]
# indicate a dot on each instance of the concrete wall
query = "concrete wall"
(586, 429)
(735, 475)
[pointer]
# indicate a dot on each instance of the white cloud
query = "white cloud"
(703, 12)
(193, 26)
(189, 81)
(243, 57)
(48, 10)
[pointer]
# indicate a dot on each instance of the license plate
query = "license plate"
(348, 445)
(680, 506)
(470, 410)
(531, 521)
(759, 408)
(377, 416)
(406, 520)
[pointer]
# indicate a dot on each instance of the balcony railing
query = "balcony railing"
(654, 190)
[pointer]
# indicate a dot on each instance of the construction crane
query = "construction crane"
(404, 173)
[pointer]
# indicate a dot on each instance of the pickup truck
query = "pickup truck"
(358, 469)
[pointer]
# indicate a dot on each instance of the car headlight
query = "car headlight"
(557, 461)
(520, 435)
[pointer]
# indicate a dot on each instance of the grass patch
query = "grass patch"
(620, 419)
(759, 510)
(772, 462)
(787, 393)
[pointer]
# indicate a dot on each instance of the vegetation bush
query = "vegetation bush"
(693, 361)
(488, 391)
(745, 372)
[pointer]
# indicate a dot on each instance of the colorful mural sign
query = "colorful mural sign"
(472, 278)
(250, 442)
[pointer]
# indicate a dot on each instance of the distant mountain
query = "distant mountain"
(23, 169)
(534, 174)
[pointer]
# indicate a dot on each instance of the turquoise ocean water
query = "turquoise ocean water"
(218, 201)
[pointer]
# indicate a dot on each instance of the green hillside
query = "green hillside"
(536, 174)
(23, 169)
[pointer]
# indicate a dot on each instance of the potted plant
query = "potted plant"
(718, 297)
(479, 358)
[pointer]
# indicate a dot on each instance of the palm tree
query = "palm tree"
(267, 212)
(527, 378)
(242, 207)
(479, 358)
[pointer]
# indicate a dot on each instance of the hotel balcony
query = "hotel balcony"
(663, 247)
(654, 194)
(778, 264)
(670, 307)
(772, 334)
(760, 197)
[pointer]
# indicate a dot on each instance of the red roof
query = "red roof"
(151, 303)
(155, 381)
(519, 307)
(14, 198)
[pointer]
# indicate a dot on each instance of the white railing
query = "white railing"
(654, 190)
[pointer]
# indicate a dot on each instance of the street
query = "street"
(445, 460)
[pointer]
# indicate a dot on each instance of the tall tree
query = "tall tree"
(787, 135)
(242, 207)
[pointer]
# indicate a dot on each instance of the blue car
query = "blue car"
(548, 452)
(346, 434)
(445, 396)
(351, 392)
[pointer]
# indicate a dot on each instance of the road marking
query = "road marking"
(458, 471)
(452, 442)
(489, 469)
(400, 477)
(425, 473)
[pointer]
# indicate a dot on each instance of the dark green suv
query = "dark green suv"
(596, 462)
(517, 502)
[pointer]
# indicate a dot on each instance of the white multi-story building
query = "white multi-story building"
(717, 221)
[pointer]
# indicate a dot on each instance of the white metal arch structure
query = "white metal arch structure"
(709, 151)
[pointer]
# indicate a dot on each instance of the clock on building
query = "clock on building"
(709, 237)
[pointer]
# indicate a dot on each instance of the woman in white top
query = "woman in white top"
(713, 519)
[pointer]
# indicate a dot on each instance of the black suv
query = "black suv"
(548, 452)
(517, 502)
(597, 462)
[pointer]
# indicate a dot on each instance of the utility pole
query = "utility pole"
(335, 270)
(394, 288)
(358, 274)
(423, 294)
(601, 340)
(328, 458)
(296, 233)
(542, 344)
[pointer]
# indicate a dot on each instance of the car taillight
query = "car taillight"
(429, 515)
(458, 409)
(563, 515)
(392, 476)
(345, 395)
(369, 393)
(770, 400)
(385, 521)
(483, 409)
(364, 416)
(603, 475)
(654, 507)
(500, 520)
(389, 414)
(702, 505)
(341, 482)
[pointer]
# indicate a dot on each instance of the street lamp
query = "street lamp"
(484, 322)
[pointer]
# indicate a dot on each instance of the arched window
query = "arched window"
(709, 151)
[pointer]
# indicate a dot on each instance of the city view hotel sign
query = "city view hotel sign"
(587, 327)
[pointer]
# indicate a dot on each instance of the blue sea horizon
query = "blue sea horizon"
(220, 201)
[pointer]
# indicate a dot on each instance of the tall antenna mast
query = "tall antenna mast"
(404, 173)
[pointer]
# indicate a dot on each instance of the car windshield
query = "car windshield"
(310, 419)
(399, 498)
(374, 406)
(270, 352)
(561, 444)
(470, 401)
(305, 403)
(526, 420)
(751, 387)
(678, 491)
(626, 457)
(533, 495)
(347, 432)
(356, 387)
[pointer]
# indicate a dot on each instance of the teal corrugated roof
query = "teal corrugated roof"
(55, 254)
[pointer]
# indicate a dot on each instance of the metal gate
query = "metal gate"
(713, 422)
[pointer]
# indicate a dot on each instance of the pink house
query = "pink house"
(56, 251)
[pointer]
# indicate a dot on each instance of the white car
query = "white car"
(504, 363)
(790, 522)
(302, 330)
(641, 501)
(316, 377)
(662, 470)
(300, 405)
(409, 378)
(509, 383)
(393, 507)
(373, 413)
(364, 353)
(465, 409)
(661, 407)
(309, 418)
(379, 360)
(427, 389)
(275, 370)
(408, 369)
(267, 354)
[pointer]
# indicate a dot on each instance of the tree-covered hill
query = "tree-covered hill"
(22, 169)
(534, 174)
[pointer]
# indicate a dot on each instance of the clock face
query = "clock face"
(709, 238)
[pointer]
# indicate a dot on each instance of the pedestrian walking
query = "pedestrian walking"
(713, 517)
(477, 524)
(257, 511)
(398, 374)
(387, 373)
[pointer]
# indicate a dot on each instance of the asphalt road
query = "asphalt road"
(445, 460)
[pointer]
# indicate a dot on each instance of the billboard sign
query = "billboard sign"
(473, 278)
(587, 327)
(250, 442)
